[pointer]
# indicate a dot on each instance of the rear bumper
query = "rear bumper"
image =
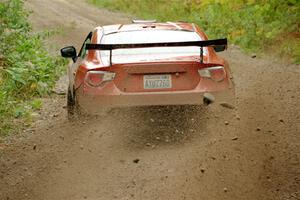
(92, 102)
(141, 99)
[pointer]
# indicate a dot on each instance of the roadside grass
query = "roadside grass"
(256, 26)
(27, 71)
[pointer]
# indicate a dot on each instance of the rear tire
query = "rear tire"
(71, 105)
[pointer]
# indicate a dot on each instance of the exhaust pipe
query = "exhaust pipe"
(208, 99)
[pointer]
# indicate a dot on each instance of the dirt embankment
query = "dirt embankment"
(251, 152)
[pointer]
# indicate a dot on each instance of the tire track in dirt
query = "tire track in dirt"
(157, 152)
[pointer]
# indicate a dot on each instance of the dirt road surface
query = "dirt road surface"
(251, 152)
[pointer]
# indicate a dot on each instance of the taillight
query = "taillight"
(97, 78)
(216, 73)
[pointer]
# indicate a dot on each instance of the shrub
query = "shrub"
(27, 71)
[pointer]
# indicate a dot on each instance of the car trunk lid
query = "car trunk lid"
(156, 77)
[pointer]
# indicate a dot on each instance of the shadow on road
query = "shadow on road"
(152, 126)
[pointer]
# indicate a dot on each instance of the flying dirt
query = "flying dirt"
(249, 151)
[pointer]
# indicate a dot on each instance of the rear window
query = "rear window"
(153, 53)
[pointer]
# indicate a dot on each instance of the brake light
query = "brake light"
(97, 78)
(216, 73)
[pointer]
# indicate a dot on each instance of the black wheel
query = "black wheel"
(71, 105)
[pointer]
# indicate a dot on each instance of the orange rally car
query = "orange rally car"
(146, 63)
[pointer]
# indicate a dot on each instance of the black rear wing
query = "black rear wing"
(201, 44)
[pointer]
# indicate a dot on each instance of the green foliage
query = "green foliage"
(255, 25)
(27, 71)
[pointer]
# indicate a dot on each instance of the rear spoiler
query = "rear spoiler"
(201, 44)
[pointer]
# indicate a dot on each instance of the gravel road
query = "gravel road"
(251, 152)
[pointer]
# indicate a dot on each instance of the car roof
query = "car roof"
(178, 26)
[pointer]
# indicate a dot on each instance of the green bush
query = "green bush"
(255, 25)
(27, 71)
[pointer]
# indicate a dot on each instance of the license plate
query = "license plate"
(157, 81)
